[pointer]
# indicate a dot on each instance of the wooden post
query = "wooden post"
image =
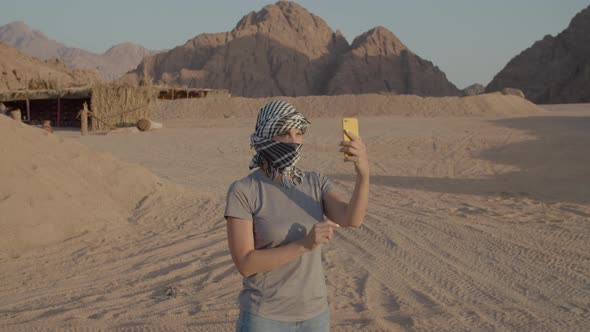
(84, 120)
(58, 111)
(92, 121)
(28, 110)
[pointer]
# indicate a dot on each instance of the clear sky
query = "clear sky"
(470, 40)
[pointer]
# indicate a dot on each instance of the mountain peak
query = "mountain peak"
(290, 25)
(272, 12)
(32, 42)
(554, 69)
(18, 25)
(126, 47)
(17, 30)
(379, 40)
(576, 35)
(283, 15)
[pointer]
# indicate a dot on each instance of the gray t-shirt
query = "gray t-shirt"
(297, 290)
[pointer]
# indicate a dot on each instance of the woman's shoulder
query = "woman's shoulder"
(316, 178)
(319, 180)
(246, 182)
(314, 175)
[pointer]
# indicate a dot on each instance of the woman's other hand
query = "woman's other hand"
(321, 233)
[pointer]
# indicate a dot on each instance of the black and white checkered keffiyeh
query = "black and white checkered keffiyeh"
(277, 117)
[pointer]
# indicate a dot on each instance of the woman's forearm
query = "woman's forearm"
(264, 260)
(357, 207)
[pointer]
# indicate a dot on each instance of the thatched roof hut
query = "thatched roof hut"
(111, 104)
(60, 106)
(69, 93)
(173, 93)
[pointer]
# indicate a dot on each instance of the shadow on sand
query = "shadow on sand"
(553, 167)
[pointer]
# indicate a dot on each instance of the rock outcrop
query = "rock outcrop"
(21, 71)
(473, 90)
(513, 92)
(554, 69)
(378, 61)
(281, 50)
(284, 50)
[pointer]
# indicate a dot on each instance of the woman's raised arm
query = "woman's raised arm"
(351, 214)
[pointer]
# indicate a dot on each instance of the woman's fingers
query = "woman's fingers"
(320, 234)
(353, 154)
(354, 144)
(352, 136)
(349, 150)
(356, 152)
(327, 232)
(324, 231)
(352, 148)
(330, 223)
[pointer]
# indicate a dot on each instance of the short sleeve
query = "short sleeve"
(237, 204)
(325, 183)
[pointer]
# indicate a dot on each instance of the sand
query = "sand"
(478, 221)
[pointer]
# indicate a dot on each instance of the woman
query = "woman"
(276, 225)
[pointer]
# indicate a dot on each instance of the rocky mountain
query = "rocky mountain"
(110, 65)
(285, 50)
(378, 61)
(473, 90)
(281, 50)
(29, 41)
(21, 71)
(554, 69)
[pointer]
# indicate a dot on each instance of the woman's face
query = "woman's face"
(290, 136)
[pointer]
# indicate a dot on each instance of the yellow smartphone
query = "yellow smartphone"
(352, 125)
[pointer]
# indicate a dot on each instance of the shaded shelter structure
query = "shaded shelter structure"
(111, 105)
(168, 93)
(60, 106)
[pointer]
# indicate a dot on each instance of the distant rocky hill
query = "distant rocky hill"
(285, 50)
(110, 65)
(21, 71)
(378, 61)
(473, 90)
(554, 69)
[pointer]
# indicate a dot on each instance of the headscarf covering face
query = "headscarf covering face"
(278, 117)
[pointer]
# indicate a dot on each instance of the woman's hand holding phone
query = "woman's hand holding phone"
(353, 147)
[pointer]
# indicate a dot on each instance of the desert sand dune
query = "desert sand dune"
(352, 105)
(477, 222)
